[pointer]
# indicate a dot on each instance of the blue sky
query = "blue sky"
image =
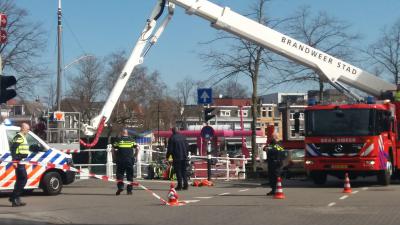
(101, 27)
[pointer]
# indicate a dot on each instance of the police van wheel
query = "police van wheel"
(52, 183)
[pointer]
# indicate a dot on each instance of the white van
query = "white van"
(50, 179)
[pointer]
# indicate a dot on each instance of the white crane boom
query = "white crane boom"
(332, 69)
(146, 39)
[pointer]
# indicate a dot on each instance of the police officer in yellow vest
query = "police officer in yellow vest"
(19, 150)
(125, 150)
(397, 94)
(275, 157)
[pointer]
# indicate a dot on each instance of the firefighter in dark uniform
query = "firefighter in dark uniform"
(275, 157)
(19, 150)
(178, 149)
(126, 151)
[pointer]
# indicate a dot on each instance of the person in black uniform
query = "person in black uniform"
(275, 157)
(126, 151)
(19, 149)
(178, 149)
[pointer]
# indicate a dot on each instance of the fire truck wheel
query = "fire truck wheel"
(319, 178)
(52, 183)
(385, 175)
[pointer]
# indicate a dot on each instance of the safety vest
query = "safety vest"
(278, 147)
(397, 96)
(23, 147)
(124, 144)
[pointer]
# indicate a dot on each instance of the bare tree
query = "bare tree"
(87, 86)
(243, 58)
(25, 41)
(322, 32)
(386, 51)
(184, 90)
(231, 89)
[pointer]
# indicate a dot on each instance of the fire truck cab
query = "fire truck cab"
(359, 139)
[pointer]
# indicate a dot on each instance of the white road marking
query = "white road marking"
(243, 190)
(331, 204)
(364, 188)
(203, 197)
(227, 193)
(354, 192)
(190, 201)
(343, 197)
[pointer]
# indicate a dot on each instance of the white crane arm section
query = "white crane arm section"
(332, 69)
(143, 44)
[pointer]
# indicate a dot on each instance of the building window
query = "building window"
(263, 112)
(293, 133)
(269, 111)
(226, 113)
(276, 127)
(245, 113)
(292, 112)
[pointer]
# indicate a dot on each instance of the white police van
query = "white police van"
(40, 175)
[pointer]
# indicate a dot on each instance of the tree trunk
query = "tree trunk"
(254, 104)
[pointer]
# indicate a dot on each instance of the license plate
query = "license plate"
(339, 166)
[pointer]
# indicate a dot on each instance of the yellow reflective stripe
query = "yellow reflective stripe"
(279, 148)
(125, 146)
(18, 140)
(23, 148)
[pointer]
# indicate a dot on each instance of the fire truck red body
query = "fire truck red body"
(360, 139)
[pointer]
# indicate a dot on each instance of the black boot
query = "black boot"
(118, 192)
(271, 193)
(16, 202)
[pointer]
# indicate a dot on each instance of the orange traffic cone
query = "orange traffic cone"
(196, 183)
(279, 191)
(347, 188)
(173, 196)
(206, 183)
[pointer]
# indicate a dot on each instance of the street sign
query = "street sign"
(59, 116)
(3, 20)
(207, 132)
(3, 24)
(3, 36)
(204, 96)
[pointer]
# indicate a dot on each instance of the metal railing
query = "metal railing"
(222, 168)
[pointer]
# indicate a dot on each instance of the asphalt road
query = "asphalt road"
(235, 202)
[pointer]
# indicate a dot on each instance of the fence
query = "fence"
(153, 161)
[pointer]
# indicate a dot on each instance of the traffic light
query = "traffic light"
(7, 94)
(296, 117)
(207, 114)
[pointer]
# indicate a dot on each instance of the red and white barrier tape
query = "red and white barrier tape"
(66, 167)
(70, 151)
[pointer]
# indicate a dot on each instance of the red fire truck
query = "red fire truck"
(360, 139)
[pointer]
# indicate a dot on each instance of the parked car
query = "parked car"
(294, 163)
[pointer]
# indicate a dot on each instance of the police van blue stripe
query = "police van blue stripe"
(55, 158)
(45, 155)
(29, 158)
(5, 156)
(8, 166)
(63, 161)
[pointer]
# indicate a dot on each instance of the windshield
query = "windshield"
(339, 122)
